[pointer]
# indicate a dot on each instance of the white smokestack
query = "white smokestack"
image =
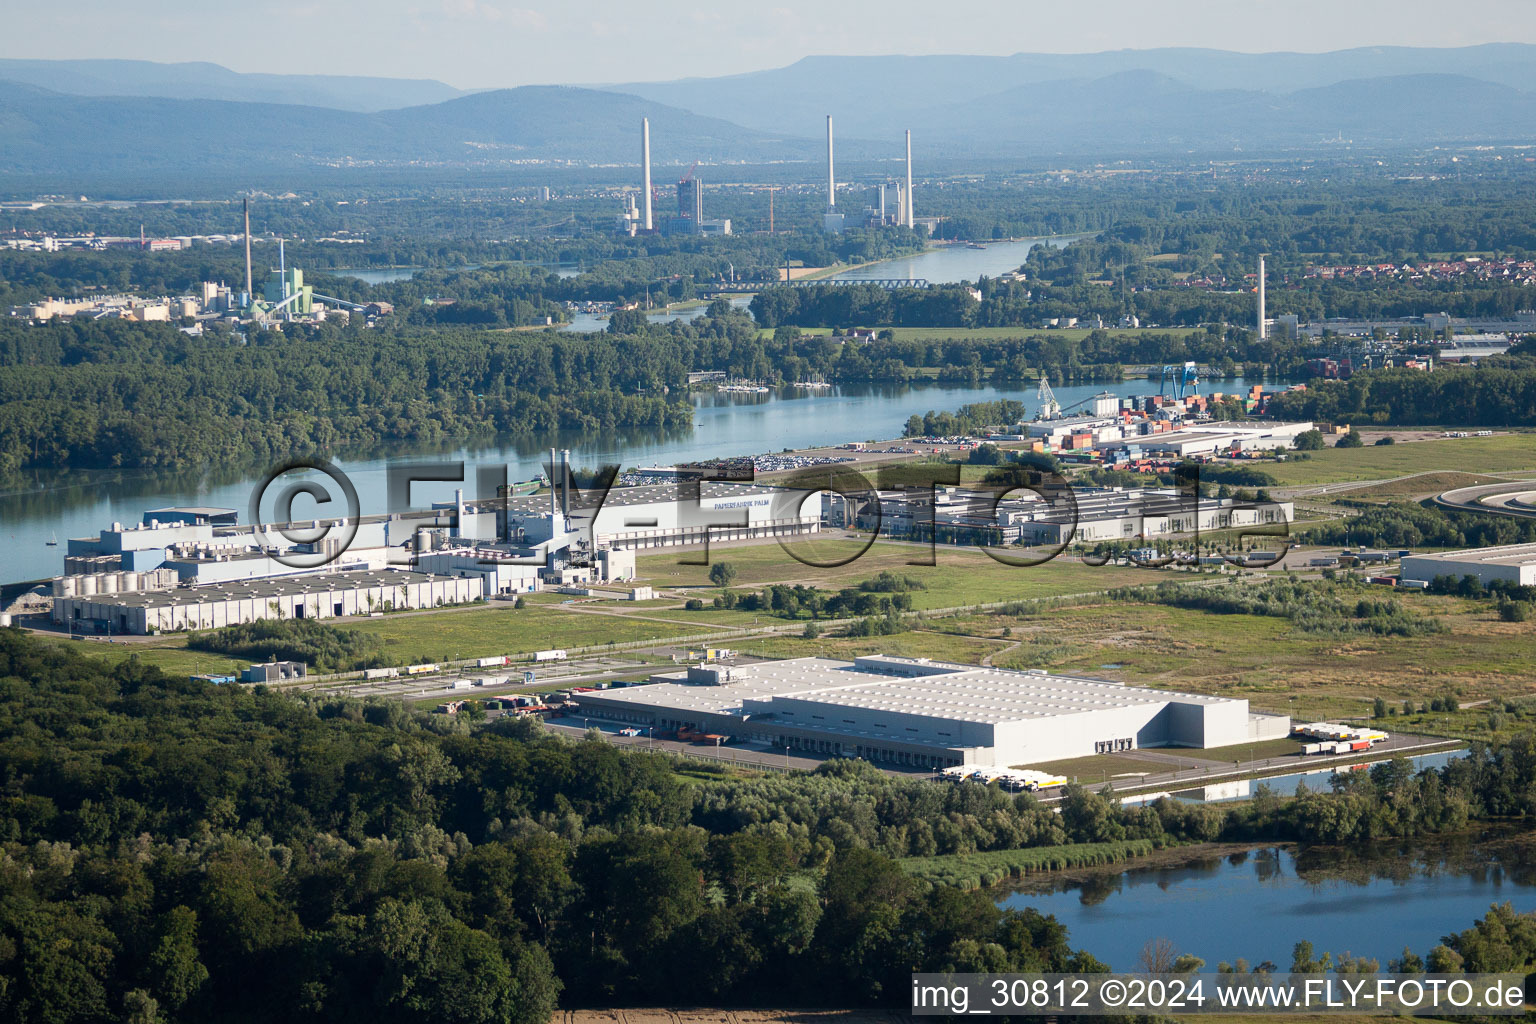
(907, 195)
(248, 283)
(554, 487)
(645, 164)
(831, 178)
(1261, 298)
(565, 479)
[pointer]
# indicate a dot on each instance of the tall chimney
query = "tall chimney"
(907, 195)
(831, 178)
(645, 179)
(248, 284)
(1261, 298)
(554, 488)
(565, 479)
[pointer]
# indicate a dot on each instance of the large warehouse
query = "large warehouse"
(926, 713)
(315, 596)
(1511, 563)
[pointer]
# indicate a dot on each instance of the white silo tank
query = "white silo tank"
(131, 580)
(88, 586)
(108, 583)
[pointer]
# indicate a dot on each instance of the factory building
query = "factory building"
(928, 714)
(315, 596)
(1509, 563)
(961, 515)
(664, 515)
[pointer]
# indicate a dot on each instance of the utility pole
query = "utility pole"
(771, 190)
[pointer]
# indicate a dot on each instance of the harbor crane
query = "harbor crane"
(1183, 377)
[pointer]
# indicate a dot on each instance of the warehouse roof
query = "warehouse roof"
(1504, 554)
(912, 686)
(265, 589)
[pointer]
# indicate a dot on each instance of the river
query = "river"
(943, 265)
(1370, 900)
(63, 504)
(77, 503)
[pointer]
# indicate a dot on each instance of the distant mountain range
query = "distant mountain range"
(112, 117)
(875, 95)
(52, 133)
(200, 81)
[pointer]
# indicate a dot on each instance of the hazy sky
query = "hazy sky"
(492, 43)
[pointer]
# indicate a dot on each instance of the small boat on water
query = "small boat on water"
(53, 542)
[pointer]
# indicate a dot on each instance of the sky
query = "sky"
(476, 44)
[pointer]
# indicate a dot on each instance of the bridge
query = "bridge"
(890, 284)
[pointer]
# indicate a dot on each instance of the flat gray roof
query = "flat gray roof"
(1507, 554)
(281, 586)
(950, 691)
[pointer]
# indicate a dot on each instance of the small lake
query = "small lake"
(1370, 900)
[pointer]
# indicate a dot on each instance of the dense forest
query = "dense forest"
(171, 850)
(1500, 394)
(111, 393)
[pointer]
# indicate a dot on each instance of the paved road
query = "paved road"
(1501, 498)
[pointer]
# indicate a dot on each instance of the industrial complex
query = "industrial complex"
(925, 713)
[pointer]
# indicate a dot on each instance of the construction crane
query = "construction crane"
(689, 175)
(1186, 376)
(1049, 407)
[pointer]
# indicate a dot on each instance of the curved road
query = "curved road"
(1513, 498)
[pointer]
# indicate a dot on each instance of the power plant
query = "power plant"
(890, 203)
(645, 172)
(1262, 330)
(831, 221)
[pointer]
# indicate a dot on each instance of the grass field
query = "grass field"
(1271, 663)
(446, 635)
(913, 644)
(1503, 453)
(1419, 486)
(959, 577)
(1099, 768)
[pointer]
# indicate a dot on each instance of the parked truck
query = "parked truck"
(554, 655)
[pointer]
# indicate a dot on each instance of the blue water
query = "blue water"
(945, 265)
(1318, 780)
(953, 263)
(80, 504)
(1259, 904)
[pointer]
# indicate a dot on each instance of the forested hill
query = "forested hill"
(43, 132)
(176, 851)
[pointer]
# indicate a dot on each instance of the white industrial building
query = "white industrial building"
(1511, 563)
(665, 515)
(928, 714)
(1093, 515)
(316, 596)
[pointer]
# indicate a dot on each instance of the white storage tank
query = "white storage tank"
(131, 580)
(88, 586)
(108, 583)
